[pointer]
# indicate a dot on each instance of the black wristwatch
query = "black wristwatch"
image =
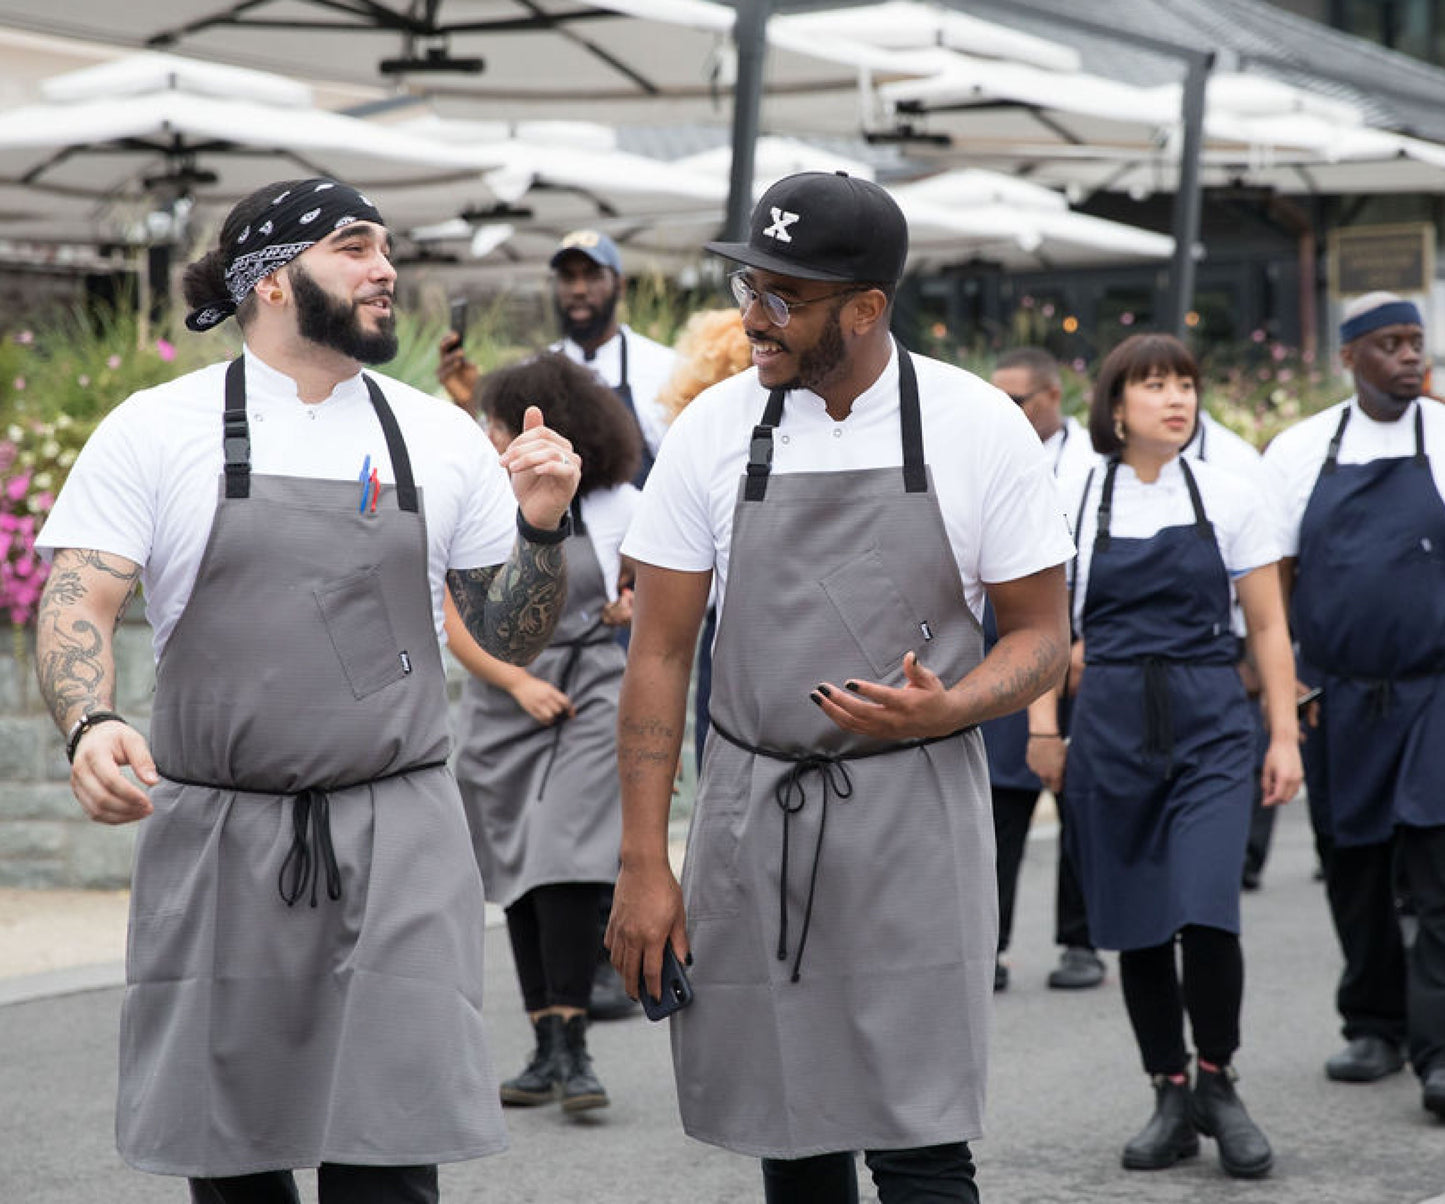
(537, 535)
(83, 725)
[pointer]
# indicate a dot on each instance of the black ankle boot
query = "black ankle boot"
(581, 1088)
(540, 1081)
(1169, 1135)
(1219, 1113)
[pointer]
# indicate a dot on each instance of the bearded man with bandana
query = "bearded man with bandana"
(304, 973)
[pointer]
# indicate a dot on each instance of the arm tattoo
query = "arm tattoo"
(74, 661)
(1024, 682)
(644, 746)
(512, 609)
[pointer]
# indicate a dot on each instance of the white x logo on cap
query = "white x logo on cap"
(781, 221)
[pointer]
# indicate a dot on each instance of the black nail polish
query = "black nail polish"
(825, 692)
(815, 697)
(688, 960)
(852, 685)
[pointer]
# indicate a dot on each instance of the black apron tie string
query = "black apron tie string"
(1158, 713)
(790, 797)
(564, 682)
(311, 848)
(833, 769)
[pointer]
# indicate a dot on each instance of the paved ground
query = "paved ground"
(1066, 1090)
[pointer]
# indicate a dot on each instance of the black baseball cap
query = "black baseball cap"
(820, 225)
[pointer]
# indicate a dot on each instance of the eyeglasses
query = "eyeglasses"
(1022, 399)
(777, 311)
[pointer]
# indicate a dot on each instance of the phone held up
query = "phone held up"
(458, 317)
(676, 990)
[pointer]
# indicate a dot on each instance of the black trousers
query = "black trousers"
(335, 1184)
(1386, 990)
(933, 1174)
(1210, 991)
(553, 930)
(1013, 812)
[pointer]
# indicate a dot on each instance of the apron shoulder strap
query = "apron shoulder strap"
(760, 449)
(236, 432)
(1420, 457)
(1332, 457)
(578, 526)
(910, 421)
(1078, 526)
(406, 497)
(1201, 520)
(1106, 504)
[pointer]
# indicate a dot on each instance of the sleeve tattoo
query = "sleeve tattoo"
(512, 609)
(74, 635)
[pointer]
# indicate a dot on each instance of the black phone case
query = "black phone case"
(676, 990)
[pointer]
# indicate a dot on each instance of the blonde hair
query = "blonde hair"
(711, 348)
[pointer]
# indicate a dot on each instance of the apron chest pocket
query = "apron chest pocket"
(354, 611)
(874, 612)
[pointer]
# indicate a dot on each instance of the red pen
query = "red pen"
(375, 490)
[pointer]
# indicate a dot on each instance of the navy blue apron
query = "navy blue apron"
(1369, 610)
(1161, 757)
(1007, 737)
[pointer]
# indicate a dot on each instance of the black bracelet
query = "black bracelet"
(536, 535)
(82, 725)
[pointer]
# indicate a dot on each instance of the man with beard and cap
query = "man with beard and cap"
(300, 991)
(1361, 487)
(856, 504)
(587, 284)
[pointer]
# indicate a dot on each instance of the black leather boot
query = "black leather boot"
(540, 1082)
(1219, 1113)
(1169, 1135)
(581, 1088)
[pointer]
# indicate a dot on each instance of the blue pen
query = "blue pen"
(365, 479)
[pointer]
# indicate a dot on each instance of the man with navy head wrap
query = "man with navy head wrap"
(1363, 489)
(304, 972)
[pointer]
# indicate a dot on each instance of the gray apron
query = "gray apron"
(543, 802)
(840, 891)
(304, 971)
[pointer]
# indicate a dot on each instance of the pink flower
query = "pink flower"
(18, 384)
(1258, 336)
(1126, 319)
(1047, 311)
(113, 362)
(15, 487)
(1079, 364)
(83, 381)
(165, 350)
(25, 338)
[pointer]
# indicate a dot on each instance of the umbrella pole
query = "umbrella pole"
(750, 32)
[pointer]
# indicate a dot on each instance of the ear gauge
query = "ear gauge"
(277, 294)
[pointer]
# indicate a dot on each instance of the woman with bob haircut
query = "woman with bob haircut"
(537, 759)
(1159, 764)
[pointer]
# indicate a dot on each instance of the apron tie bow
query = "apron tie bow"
(790, 796)
(1158, 714)
(310, 847)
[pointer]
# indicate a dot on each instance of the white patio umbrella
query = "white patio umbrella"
(158, 126)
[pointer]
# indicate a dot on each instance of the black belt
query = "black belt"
(311, 845)
(790, 796)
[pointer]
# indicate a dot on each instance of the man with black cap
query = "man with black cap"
(1362, 486)
(855, 503)
(299, 991)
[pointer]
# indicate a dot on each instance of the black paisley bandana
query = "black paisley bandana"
(295, 221)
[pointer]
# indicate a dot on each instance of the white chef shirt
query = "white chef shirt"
(1248, 538)
(1069, 448)
(649, 366)
(145, 485)
(994, 486)
(1294, 457)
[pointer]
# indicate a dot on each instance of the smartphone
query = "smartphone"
(1308, 697)
(676, 990)
(459, 317)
